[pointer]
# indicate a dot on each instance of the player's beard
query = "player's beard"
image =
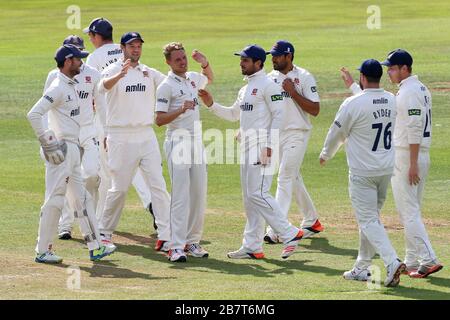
(133, 58)
(75, 70)
(248, 72)
(279, 66)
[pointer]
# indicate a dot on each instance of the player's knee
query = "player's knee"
(91, 171)
(54, 202)
(257, 197)
(365, 223)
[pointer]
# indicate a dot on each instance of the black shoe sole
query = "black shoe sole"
(65, 237)
(268, 240)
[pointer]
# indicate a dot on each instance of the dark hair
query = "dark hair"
(372, 79)
(60, 64)
(292, 59)
(409, 68)
(104, 38)
(254, 61)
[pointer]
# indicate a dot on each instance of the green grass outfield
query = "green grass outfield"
(327, 35)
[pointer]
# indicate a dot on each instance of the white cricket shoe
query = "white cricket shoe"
(290, 246)
(357, 274)
(196, 251)
(177, 255)
(394, 270)
(271, 237)
(106, 240)
(101, 252)
(48, 257)
(312, 230)
(245, 254)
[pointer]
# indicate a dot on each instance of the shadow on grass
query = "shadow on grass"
(289, 266)
(249, 267)
(110, 270)
(223, 267)
(417, 293)
(151, 240)
(443, 282)
(323, 245)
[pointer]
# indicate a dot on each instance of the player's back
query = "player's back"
(413, 123)
(369, 146)
(104, 56)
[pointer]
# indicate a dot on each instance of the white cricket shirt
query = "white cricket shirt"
(305, 85)
(172, 93)
(366, 123)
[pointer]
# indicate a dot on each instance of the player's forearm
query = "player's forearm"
(414, 153)
(355, 88)
(207, 71)
(36, 114)
(332, 143)
(227, 113)
(313, 108)
(163, 118)
(110, 82)
(35, 119)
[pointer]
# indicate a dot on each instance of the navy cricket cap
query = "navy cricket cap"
(69, 51)
(75, 40)
(100, 26)
(253, 51)
(130, 36)
(281, 47)
(398, 57)
(371, 68)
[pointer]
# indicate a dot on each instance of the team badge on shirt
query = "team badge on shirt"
(297, 81)
(254, 92)
(193, 84)
(145, 73)
(87, 79)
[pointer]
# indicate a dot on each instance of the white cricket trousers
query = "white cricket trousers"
(368, 195)
(408, 199)
(139, 183)
(60, 181)
(260, 206)
(293, 144)
(186, 162)
(128, 151)
(90, 167)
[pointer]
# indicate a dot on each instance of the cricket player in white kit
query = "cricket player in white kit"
(177, 107)
(61, 148)
(86, 88)
(300, 94)
(365, 123)
(130, 88)
(412, 140)
(106, 52)
(260, 109)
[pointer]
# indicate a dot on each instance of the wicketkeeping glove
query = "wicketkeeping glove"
(54, 151)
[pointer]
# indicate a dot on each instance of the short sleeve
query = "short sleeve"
(163, 97)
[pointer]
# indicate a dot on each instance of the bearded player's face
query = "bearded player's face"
(279, 62)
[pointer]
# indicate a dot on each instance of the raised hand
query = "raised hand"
(206, 97)
(347, 77)
(200, 58)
